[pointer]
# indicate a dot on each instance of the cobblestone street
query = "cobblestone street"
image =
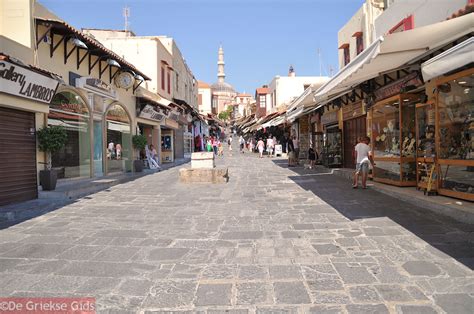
(271, 240)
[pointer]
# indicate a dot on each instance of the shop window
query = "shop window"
(162, 78)
(168, 76)
(359, 43)
(69, 110)
(262, 99)
(347, 56)
(456, 127)
(118, 150)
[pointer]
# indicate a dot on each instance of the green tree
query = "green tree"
(50, 140)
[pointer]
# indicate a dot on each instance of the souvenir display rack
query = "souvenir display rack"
(455, 135)
(427, 174)
(393, 140)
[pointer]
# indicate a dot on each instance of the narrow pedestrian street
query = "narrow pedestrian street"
(271, 240)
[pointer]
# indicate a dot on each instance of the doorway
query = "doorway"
(353, 129)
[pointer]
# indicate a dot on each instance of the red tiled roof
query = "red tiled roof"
(263, 90)
(8, 58)
(202, 84)
(90, 42)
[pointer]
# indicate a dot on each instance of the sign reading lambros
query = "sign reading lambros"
(19, 81)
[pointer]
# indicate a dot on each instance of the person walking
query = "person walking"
(291, 153)
(312, 157)
(229, 142)
(260, 147)
(208, 145)
(296, 145)
(242, 144)
(214, 144)
(363, 157)
(270, 146)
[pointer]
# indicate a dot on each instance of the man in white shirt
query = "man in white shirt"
(363, 157)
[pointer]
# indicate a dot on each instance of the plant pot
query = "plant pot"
(48, 179)
(138, 165)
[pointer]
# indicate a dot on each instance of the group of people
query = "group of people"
(214, 144)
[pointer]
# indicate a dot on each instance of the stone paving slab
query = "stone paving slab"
(271, 240)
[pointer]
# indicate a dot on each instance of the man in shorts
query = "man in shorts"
(363, 157)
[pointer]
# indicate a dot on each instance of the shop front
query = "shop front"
(69, 110)
(354, 127)
(168, 139)
(393, 139)
(455, 135)
(332, 139)
(118, 139)
(317, 135)
(25, 94)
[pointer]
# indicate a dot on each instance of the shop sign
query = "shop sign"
(352, 111)
(149, 112)
(96, 86)
(329, 117)
(315, 118)
(174, 116)
(19, 81)
(171, 123)
(396, 87)
(117, 113)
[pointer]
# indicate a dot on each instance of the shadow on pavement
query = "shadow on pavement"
(449, 236)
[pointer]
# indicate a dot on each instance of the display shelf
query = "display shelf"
(332, 156)
(455, 135)
(393, 140)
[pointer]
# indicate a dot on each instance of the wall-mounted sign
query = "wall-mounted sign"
(395, 88)
(171, 123)
(96, 86)
(150, 112)
(329, 117)
(22, 82)
(352, 111)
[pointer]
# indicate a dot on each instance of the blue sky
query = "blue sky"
(261, 38)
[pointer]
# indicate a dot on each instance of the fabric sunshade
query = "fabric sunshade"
(394, 51)
(458, 56)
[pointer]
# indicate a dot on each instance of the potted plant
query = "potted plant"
(139, 143)
(50, 140)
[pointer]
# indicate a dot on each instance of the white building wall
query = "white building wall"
(205, 107)
(361, 21)
(286, 88)
(425, 12)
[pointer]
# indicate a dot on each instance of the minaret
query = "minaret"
(220, 66)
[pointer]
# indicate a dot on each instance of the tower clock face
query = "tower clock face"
(124, 80)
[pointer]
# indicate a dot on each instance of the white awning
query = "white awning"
(394, 51)
(452, 59)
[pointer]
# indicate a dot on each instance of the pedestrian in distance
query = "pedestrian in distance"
(220, 149)
(260, 147)
(291, 153)
(214, 144)
(229, 142)
(208, 145)
(270, 146)
(312, 157)
(242, 144)
(363, 156)
(296, 145)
